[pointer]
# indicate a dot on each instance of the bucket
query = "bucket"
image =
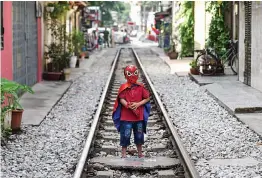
(73, 60)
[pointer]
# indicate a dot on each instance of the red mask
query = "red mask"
(131, 73)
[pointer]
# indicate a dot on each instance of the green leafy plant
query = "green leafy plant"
(166, 49)
(186, 28)
(5, 132)
(193, 64)
(78, 41)
(10, 101)
(218, 31)
(59, 9)
(10, 90)
(61, 47)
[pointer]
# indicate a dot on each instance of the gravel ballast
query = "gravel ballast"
(53, 148)
(207, 130)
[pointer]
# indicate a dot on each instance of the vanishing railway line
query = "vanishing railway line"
(163, 150)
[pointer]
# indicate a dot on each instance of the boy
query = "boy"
(131, 110)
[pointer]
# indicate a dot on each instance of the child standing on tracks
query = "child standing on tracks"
(131, 110)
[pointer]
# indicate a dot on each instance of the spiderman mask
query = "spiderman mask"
(131, 74)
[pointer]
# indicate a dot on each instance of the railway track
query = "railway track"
(164, 153)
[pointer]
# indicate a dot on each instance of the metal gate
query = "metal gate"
(24, 42)
(248, 15)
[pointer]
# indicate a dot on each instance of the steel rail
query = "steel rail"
(82, 160)
(191, 170)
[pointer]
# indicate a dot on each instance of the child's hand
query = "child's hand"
(134, 105)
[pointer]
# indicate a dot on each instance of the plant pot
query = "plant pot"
(83, 56)
(52, 76)
(50, 67)
(16, 119)
(173, 55)
(87, 55)
(73, 61)
(194, 71)
(7, 119)
(67, 73)
(50, 9)
(77, 63)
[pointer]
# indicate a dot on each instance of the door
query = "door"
(24, 42)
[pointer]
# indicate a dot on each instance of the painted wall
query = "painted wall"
(256, 38)
(7, 52)
(241, 44)
(202, 22)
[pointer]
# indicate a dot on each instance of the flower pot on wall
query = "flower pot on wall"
(73, 61)
(16, 119)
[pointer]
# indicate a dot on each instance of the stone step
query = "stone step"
(151, 122)
(110, 107)
(114, 91)
(166, 173)
(112, 128)
(137, 163)
(104, 174)
(112, 102)
(108, 112)
(112, 95)
(112, 149)
(117, 138)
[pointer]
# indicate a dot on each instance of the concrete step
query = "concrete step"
(112, 128)
(166, 173)
(113, 95)
(153, 114)
(105, 174)
(109, 122)
(113, 92)
(117, 138)
(109, 149)
(137, 163)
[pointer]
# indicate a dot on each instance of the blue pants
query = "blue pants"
(126, 128)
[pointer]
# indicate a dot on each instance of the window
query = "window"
(2, 28)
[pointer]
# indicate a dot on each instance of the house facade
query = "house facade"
(250, 37)
(21, 41)
(24, 35)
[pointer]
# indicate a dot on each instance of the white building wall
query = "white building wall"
(241, 44)
(202, 22)
(256, 45)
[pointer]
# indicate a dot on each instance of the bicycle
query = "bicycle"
(208, 61)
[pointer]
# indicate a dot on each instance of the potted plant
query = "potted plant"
(166, 49)
(78, 41)
(50, 7)
(172, 52)
(9, 91)
(53, 63)
(194, 68)
(58, 53)
(66, 68)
